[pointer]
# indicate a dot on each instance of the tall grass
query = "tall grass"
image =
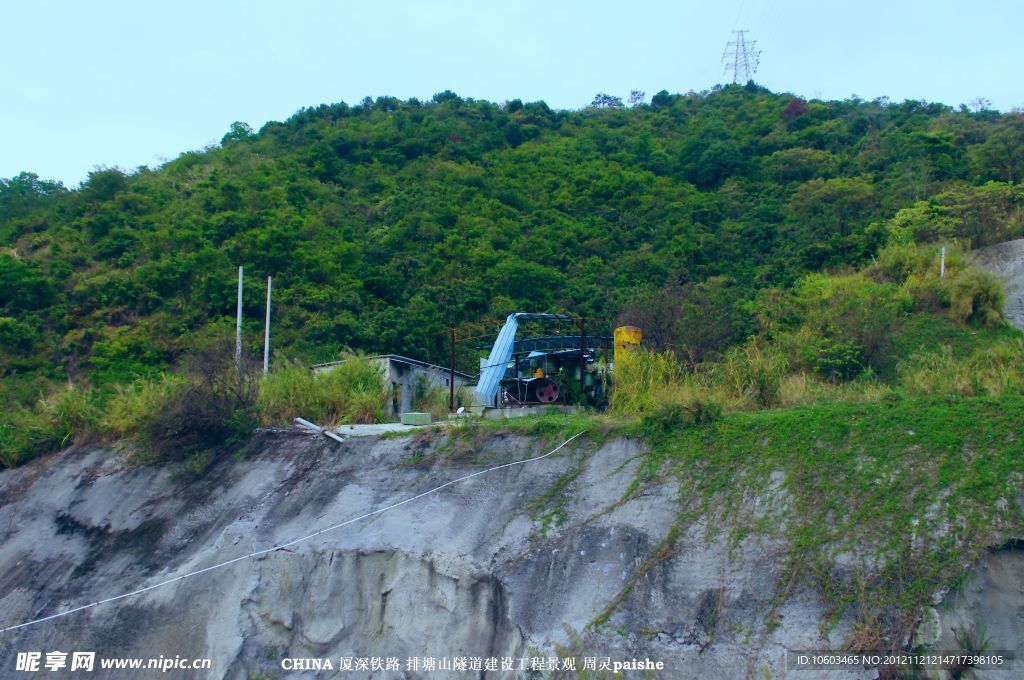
(645, 378)
(433, 399)
(753, 372)
(656, 387)
(996, 370)
(131, 404)
(173, 415)
(803, 389)
(69, 414)
(977, 297)
(25, 433)
(352, 392)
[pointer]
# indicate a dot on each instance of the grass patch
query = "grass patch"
(925, 333)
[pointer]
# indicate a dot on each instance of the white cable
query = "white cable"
(284, 545)
(736, 23)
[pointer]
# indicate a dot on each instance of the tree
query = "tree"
(237, 132)
(720, 160)
(661, 100)
(447, 97)
(833, 206)
(23, 286)
(24, 191)
(1002, 153)
(606, 101)
(28, 184)
(800, 164)
(103, 184)
(979, 104)
(636, 97)
(697, 321)
(794, 109)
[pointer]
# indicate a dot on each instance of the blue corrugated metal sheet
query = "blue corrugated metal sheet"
(501, 353)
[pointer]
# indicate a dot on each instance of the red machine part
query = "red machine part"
(546, 391)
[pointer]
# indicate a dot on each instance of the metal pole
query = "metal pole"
(266, 337)
(451, 374)
(238, 325)
(942, 263)
(583, 350)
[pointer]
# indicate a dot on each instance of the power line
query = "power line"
(739, 14)
(741, 57)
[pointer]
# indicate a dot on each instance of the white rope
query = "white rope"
(284, 545)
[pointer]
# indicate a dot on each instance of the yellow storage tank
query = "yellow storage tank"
(626, 339)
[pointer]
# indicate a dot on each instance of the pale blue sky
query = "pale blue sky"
(88, 84)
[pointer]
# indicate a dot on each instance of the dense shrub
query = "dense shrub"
(836, 319)
(976, 296)
(975, 215)
(16, 337)
(670, 415)
(697, 321)
(970, 294)
(839, 359)
(898, 262)
(207, 409)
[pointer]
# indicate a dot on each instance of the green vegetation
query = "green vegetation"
(433, 399)
(548, 509)
(386, 221)
(52, 423)
(880, 504)
(893, 328)
(209, 404)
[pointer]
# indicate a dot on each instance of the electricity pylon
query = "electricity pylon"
(741, 57)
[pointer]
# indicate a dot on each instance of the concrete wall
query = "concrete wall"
(407, 379)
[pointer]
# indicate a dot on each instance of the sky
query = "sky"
(129, 84)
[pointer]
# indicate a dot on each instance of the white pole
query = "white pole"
(942, 263)
(266, 338)
(238, 325)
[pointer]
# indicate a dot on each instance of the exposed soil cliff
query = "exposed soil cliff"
(533, 560)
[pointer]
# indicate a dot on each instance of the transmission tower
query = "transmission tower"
(741, 58)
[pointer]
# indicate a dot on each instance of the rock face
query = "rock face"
(986, 614)
(482, 568)
(1006, 260)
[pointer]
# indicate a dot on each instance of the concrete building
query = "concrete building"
(409, 378)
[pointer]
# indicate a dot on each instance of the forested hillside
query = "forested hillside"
(386, 221)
